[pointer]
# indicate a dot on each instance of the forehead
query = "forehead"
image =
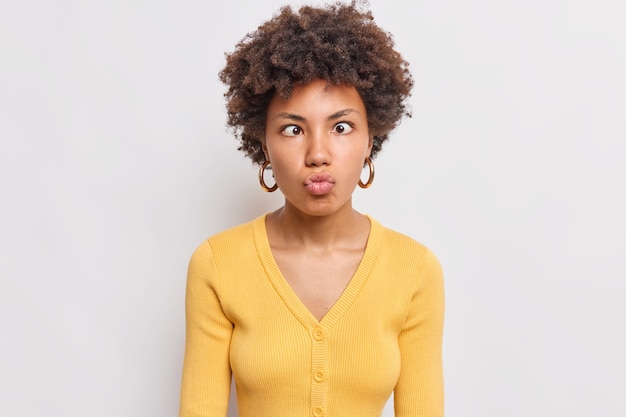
(318, 96)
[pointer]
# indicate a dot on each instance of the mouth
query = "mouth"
(319, 184)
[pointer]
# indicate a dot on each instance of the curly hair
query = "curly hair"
(339, 43)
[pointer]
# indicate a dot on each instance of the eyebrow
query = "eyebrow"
(298, 118)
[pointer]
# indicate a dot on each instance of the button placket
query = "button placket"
(318, 334)
(319, 366)
(319, 375)
(318, 411)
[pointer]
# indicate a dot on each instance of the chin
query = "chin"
(320, 209)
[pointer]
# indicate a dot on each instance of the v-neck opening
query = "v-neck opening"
(289, 296)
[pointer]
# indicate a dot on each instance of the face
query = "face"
(317, 142)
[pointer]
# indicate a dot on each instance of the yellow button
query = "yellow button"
(319, 375)
(318, 333)
(318, 411)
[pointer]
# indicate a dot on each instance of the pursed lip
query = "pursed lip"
(319, 184)
(316, 178)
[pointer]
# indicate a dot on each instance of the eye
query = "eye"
(343, 128)
(291, 130)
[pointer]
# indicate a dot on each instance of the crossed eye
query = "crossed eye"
(295, 130)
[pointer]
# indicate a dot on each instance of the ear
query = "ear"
(264, 148)
(370, 144)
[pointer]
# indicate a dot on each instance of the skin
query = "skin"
(317, 142)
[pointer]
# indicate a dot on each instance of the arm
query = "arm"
(419, 391)
(206, 370)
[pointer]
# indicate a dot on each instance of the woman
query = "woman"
(316, 309)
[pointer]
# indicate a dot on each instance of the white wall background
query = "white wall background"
(115, 164)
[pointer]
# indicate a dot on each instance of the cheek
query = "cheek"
(281, 167)
(353, 165)
(359, 154)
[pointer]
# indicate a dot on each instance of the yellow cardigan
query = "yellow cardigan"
(384, 333)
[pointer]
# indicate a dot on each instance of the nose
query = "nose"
(318, 152)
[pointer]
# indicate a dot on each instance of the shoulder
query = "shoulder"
(222, 254)
(404, 252)
(402, 244)
(397, 239)
(229, 241)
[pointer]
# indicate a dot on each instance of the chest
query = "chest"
(358, 356)
(318, 279)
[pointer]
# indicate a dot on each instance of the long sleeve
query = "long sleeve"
(244, 320)
(419, 391)
(206, 379)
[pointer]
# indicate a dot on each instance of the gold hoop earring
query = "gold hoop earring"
(370, 180)
(262, 179)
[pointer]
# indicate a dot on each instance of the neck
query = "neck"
(290, 227)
